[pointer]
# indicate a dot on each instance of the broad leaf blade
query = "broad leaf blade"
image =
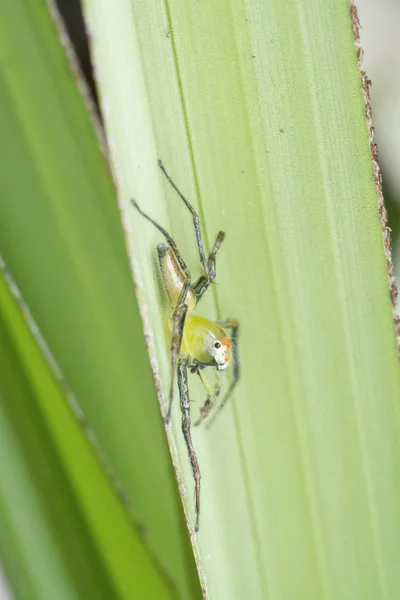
(257, 111)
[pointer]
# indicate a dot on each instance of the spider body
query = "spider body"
(197, 343)
(204, 342)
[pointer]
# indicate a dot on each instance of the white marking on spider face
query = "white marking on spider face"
(222, 366)
(221, 354)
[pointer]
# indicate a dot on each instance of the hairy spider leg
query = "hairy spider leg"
(196, 220)
(204, 281)
(202, 284)
(180, 310)
(233, 325)
(185, 411)
(212, 394)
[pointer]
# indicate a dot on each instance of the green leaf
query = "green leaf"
(61, 238)
(65, 532)
(256, 109)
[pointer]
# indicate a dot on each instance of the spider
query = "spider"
(196, 342)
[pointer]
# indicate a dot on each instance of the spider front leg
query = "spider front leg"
(212, 395)
(185, 410)
(178, 323)
(233, 325)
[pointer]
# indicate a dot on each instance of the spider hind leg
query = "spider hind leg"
(208, 264)
(196, 220)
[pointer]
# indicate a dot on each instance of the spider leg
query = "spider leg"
(196, 220)
(212, 395)
(208, 265)
(233, 325)
(185, 410)
(167, 236)
(180, 310)
(203, 283)
(178, 323)
(211, 259)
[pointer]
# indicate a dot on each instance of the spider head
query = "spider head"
(221, 351)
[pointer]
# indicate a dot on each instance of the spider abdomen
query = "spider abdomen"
(173, 277)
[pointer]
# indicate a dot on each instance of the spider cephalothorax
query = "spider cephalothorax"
(222, 352)
(207, 342)
(197, 343)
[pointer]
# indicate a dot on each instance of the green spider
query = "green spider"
(197, 342)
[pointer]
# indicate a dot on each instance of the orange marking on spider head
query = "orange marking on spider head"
(224, 354)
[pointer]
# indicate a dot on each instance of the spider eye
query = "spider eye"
(217, 345)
